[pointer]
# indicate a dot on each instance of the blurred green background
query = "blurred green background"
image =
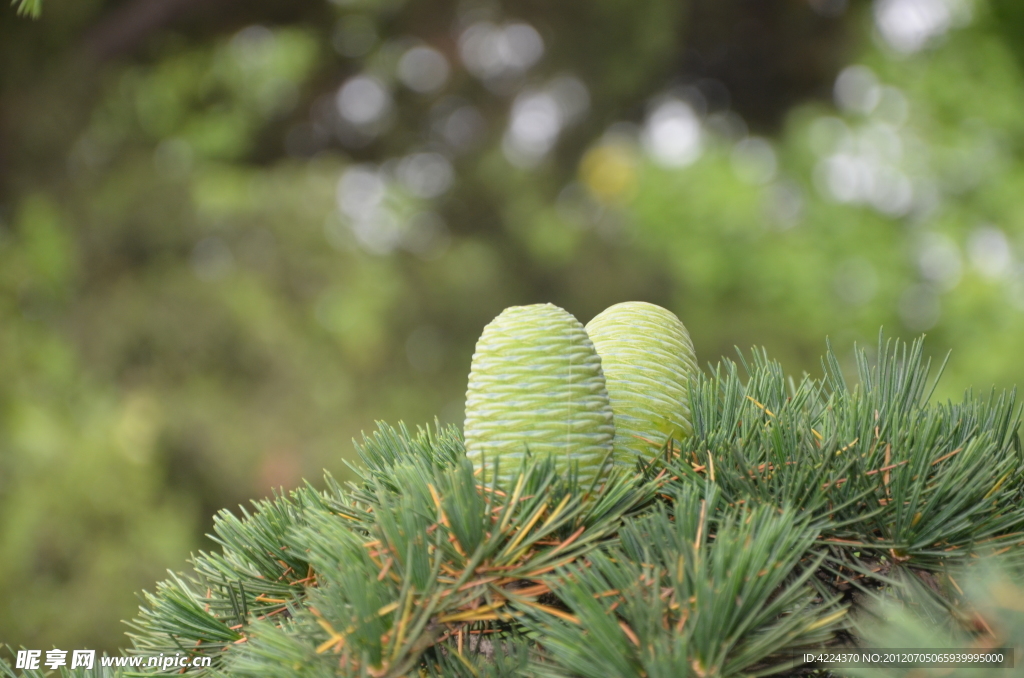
(233, 235)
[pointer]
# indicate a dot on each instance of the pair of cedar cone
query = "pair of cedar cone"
(590, 397)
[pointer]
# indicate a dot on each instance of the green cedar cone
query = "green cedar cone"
(648, 362)
(536, 382)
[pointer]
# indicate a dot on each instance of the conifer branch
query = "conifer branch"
(30, 8)
(724, 555)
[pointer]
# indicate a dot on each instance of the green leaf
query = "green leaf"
(32, 8)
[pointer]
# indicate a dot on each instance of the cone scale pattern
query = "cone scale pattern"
(648, 361)
(536, 382)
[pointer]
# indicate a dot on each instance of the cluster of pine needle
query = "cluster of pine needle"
(799, 516)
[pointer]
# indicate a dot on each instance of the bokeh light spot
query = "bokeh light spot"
(462, 128)
(857, 90)
(423, 69)
(754, 161)
(609, 171)
(533, 128)
(989, 251)
(939, 261)
(490, 51)
(363, 100)
(908, 25)
(425, 175)
(672, 134)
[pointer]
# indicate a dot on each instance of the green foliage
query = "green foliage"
(912, 616)
(100, 672)
(791, 507)
(666, 603)
(907, 478)
(74, 455)
(807, 249)
(32, 8)
(191, 314)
